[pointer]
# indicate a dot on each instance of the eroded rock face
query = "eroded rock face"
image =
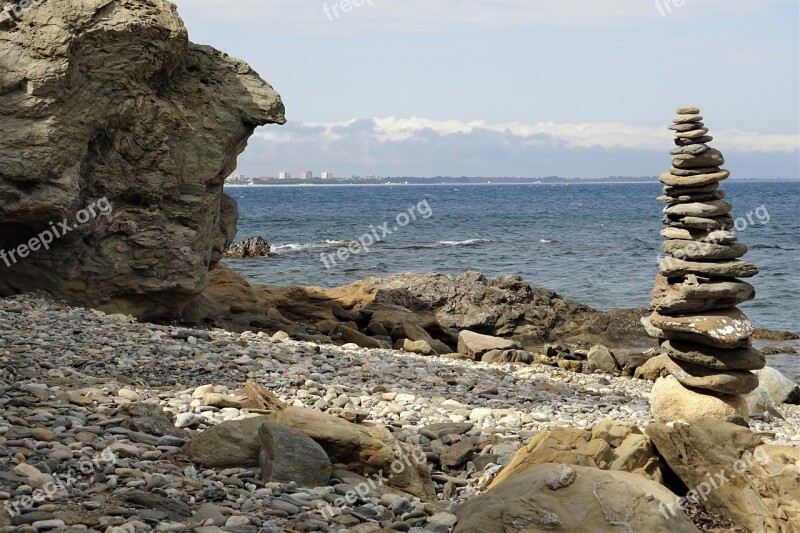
(107, 99)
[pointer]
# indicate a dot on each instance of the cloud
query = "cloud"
(586, 135)
(415, 146)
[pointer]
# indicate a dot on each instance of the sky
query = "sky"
(529, 88)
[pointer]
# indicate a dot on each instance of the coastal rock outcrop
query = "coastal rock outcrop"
(117, 135)
(695, 318)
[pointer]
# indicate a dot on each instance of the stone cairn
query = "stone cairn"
(695, 318)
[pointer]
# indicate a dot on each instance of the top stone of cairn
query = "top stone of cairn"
(688, 110)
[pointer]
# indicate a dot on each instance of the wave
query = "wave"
(279, 249)
(468, 242)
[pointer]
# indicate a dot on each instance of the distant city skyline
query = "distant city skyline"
(479, 87)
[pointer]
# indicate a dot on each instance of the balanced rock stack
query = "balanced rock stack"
(697, 289)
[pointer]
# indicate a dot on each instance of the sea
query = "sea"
(598, 244)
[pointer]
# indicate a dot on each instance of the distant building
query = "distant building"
(327, 175)
(283, 175)
(238, 179)
(306, 175)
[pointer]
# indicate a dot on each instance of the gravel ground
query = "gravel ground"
(69, 376)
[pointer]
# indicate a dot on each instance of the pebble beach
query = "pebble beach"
(70, 376)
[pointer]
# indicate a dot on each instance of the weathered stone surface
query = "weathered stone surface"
(721, 329)
(685, 127)
(776, 387)
(721, 381)
(715, 237)
(653, 369)
(237, 444)
(601, 358)
(687, 118)
(363, 449)
(693, 295)
(672, 267)
(693, 149)
(508, 356)
(671, 401)
(688, 110)
(251, 247)
(673, 190)
(110, 100)
(761, 490)
(684, 198)
(691, 134)
(709, 158)
(475, 344)
(610, 445)
(418, 347)
(698, 180)
(411, 331)
(715, 208)
(594, 500)
(745, 358)
(703, 251)
(724, 222)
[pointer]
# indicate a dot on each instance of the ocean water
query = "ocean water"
(597, 244)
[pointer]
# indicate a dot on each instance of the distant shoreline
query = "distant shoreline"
(440, 184)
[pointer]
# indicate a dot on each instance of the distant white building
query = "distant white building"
(306, 175)
(327, 175)
(283, 175)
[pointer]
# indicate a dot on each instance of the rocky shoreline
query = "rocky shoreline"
(119, 400)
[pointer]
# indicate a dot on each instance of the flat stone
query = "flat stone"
(686, 118)
(703, 251)
(680, 189)
(712, 209)
(722, 382)
(698, 180)
(672, 267)
(709, 158)
(687, 198)
(688, 110)
(700, 140)
(724, 222)
(693, 171)
(714, 237)
(693, 296)
(721, 329)
(686, 127)
(746, 358)
(691, 134)
(692, 149)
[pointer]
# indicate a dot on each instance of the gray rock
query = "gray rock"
(703, 251)
(697, 180)
(693, 149)
(777, 388)
(143, 134)
(251, 247)
(709, 158)
(601, 358)
(672, 267)
(475, 344)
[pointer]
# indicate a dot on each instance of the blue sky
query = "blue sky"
(514, 87)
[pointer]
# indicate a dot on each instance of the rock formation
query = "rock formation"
(250, 247)
(694, 303)
(106, 103)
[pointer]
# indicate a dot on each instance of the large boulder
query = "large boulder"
(610, 445)
(561, 497)
(600, 358)
(116, 124)
(776, 387)
(732, 473)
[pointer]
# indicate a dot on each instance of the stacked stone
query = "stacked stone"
(706, 337)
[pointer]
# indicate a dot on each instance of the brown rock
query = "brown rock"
(703, 251)
(745, 358)
(754, 485)
(672, 267)
(702, 377)
(671, 401)
(692, 295)
(710, 158)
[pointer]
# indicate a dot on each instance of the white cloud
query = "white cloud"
(587, 135)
